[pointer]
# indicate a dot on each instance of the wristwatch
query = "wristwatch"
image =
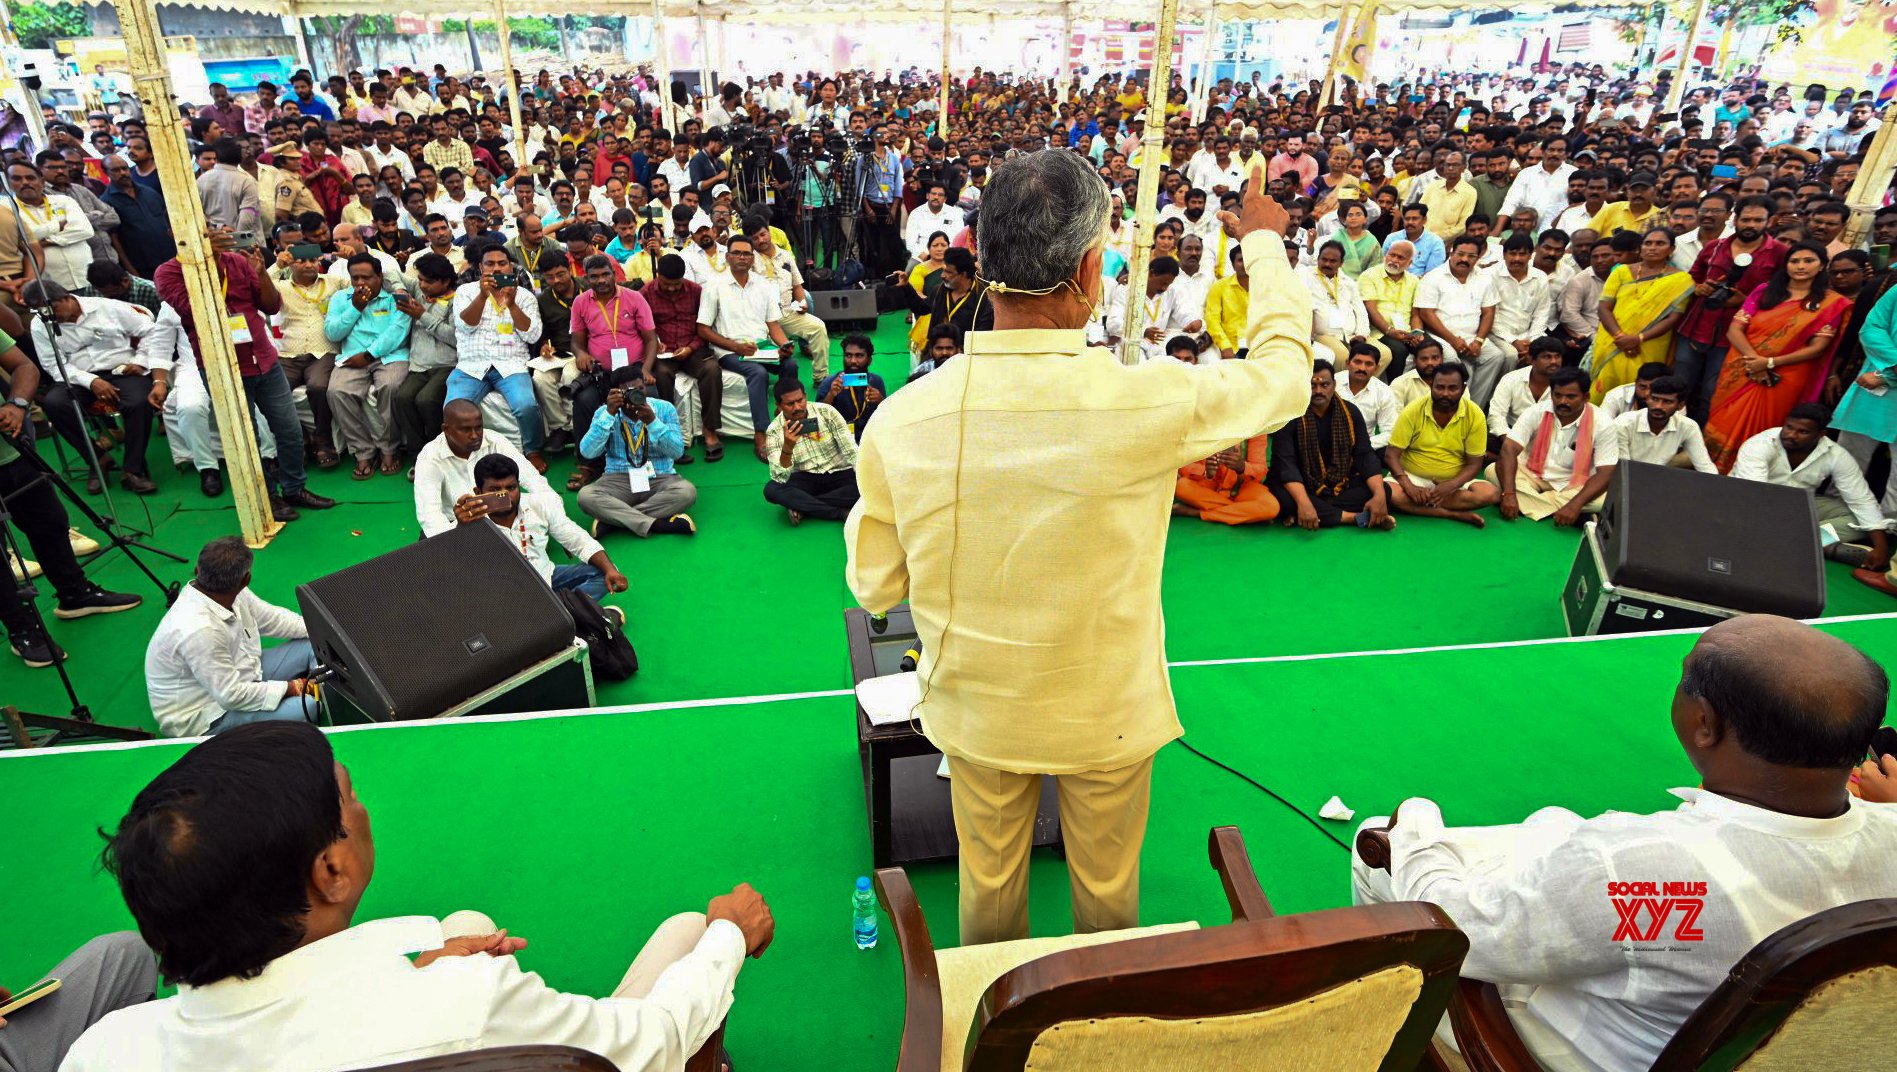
(24, 404)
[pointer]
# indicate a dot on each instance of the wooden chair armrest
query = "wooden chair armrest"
(1233, 864)
(1373, 848)
(1483, 1032)
(922, 985)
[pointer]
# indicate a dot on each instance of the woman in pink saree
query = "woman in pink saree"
(1781, 340)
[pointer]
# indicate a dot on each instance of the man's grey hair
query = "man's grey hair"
(1040, 213)
(222, 564)
(42, 292)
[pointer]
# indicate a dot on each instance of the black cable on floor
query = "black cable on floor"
(1263, 788)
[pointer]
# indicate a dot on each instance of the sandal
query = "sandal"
(391, 464)
(365, 468)
(581, 477)
(715, 453)
(326, 457)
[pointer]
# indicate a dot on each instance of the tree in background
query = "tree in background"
(37, 24)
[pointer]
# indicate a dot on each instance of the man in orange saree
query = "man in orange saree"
(1782, 340)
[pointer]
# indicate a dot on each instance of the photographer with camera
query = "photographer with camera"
(1726, 272)
(640, 439)
(880, 179)
(496, 331)
(612, 330)
(707, 169)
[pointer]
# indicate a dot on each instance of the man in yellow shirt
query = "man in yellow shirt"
(1437, 449)
(1225, 308)
(1034, 576)
(1450, 199)
(1389, 294)
(1636, 214)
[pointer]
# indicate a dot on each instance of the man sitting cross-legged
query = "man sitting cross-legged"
(244, 863)
(533, 525)
(1773, 715)
(1437, 450)
(1560, 456)
(1323, 463)
(812, 456)
(1660, 432)
(640, 439)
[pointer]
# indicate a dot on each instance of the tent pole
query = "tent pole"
(1329, 92)
(1873, 181)
(1066, 50)
(1676, 92)
(1152, 159)
(1202, 101)
(302, 38)
(508, 79)
(942, 106)
(705, 90)
(723, 68)
(151, 80)
(662, 68)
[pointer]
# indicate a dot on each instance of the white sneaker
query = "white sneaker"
(21, 576)
(82, 544)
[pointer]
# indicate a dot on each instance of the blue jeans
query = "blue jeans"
(757, 382)
(270, 393)
(580, 577)
(281, 663)
(518, 389)
(1698, 363)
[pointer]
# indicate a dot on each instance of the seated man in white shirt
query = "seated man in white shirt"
(1337, 313)
(1166, 314)
(256, 926)
(205, 671)
(929, 218)
(1773, 715)
(532, 526)
(1522, 388)
(1799, 455)
(444, 470)
(1559, 457)
(1373, 398)
(97, 338)
(1660, 432)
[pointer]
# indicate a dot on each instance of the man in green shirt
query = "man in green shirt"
(36, 511)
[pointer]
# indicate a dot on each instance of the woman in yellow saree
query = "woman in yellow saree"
(923, 279)
(1640, 305)
(1781, 340)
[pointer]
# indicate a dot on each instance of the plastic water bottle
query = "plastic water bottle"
(864, 905)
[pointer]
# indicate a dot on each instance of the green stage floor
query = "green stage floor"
(594, 828)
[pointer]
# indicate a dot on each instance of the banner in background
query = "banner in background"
(1361, 44)
(1846, 44)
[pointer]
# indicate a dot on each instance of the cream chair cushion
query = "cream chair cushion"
(967, 973)
(734, 408)
(1836, 1026)
(1347, 1028)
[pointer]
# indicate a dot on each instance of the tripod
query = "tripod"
(90, 450)
(8, 542)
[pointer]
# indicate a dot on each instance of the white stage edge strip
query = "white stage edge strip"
(781, 697)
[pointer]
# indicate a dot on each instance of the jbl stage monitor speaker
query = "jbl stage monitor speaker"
(1745, 545)
(411, 633)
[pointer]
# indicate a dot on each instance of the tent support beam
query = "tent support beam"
(662, 69)
(1152, 159)
(942, 106)
(522, 163)
(1066, 51)
(1676, 92)
(1329, 92)
(204, 283)
(1873, 181)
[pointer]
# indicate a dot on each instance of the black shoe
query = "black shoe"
(557, 440)
(137, 483)
(94, 600)
(93, 484)
(282, 511)
(308, 499)
(676, 525)
(211, 482)
(36, 649)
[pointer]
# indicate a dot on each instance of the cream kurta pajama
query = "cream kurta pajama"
(1019, 497)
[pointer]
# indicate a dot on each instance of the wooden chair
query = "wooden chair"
(1346, 989)
(1812, 995)
(542, 1059)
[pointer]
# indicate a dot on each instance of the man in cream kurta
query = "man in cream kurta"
(1032, 565)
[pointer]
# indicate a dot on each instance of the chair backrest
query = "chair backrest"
(1350, 990)
(507, 1059)
(1816, 994)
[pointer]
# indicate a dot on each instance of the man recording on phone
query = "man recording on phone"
(641, 441)
(532, 524)
(496, 328)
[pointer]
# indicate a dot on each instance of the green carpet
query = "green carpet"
(594, 828)
(590, 829)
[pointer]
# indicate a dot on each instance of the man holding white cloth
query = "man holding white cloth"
(1033, 570)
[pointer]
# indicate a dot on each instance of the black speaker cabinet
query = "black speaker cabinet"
(414, 632)
(1742, 545)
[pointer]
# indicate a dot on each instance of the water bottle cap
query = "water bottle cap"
(862, 883)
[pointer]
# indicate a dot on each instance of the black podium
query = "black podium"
(910, 819)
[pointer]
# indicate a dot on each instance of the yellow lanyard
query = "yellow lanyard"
(950, 315)
(52, 213)
(313, 299)
(533, 259)
(1329, 285)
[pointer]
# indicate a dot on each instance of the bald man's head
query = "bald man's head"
(1791, 696)
(461, 426)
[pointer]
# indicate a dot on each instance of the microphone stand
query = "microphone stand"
(108, 523)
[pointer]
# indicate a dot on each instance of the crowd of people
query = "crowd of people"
(1514, 282)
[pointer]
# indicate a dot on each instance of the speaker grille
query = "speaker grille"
(422, 628)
